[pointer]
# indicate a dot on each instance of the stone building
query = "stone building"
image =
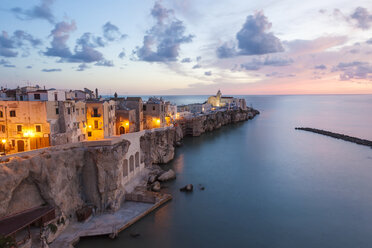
(67, 121)
(154, 113)
(100, 119)
(23, 126)
(125, 121)
(220, 101)
(136, 104)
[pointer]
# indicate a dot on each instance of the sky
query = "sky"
(188, 47)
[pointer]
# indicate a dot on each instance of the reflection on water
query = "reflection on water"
(268, 185)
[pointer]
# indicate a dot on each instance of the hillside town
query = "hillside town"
(32, 117)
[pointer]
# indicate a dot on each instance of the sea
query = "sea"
(267, 184)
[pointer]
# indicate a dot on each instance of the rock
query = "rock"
(201, 187)
(156, 186)
(169, 175)
(134, 235)
(178, 144)
(152, 179)
(187, 188)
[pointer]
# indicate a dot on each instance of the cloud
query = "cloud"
(320, 44)
(162, 42)
(227, 50)
(29, 67)
(41, 11)
(122, 54)
(208, 73)
(85, 48)
(198, 59)
(253, 39)
(112, 32)
(82, 67)
(320, 67)
(354, 70)
(60, 34)
(19, 40)
(369, 41)
(51, 70)
(186, 60)
(6, 63)
(257, 63)
(362, 17)
(106, 63)
(197, 66)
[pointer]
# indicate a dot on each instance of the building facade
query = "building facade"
(100, 119)
(24, 126)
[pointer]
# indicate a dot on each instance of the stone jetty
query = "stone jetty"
(355, 140)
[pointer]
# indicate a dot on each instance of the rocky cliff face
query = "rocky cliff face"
(206, 123)
(158, 147)
(65, 178)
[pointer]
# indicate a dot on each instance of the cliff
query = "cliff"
(207, 123)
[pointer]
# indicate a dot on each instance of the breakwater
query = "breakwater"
(355, 140)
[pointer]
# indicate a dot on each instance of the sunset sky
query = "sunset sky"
(188, 46)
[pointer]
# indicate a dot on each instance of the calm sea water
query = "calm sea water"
(268, 185)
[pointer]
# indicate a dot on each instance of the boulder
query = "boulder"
(187, 188)
(166, 176)
(152, 179)
(156, 186)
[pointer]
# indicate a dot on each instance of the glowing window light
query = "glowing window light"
(158, 121)
(3, 141)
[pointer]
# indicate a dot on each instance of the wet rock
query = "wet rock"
(166, 176)
(201, 187)
(134, 235)
(152, 179)
(156, 186)
(187, 188)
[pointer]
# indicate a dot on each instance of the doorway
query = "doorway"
(20, 145)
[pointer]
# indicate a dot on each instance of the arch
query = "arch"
(131, 163)
(20, 145)
(122, 130)
(125, 168)
(137, 159)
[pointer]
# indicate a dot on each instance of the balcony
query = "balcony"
(93, 115)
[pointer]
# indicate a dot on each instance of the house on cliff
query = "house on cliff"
(101, 120)
(154, 113)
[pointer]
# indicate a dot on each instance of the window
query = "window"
(13, 143)
(82, 111)
(153, 107)
(55, 97)
(57, 111)
(19, 128)
(1, 114)
(95, 112)
(38, 128)
(21, 98)
(75, 94)
(77, 111)
(89, 134)
(144, 107)
(96, 124)
(37, 96)
(12, 113)
(68, 111)
(73, 109)
(3, 128)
